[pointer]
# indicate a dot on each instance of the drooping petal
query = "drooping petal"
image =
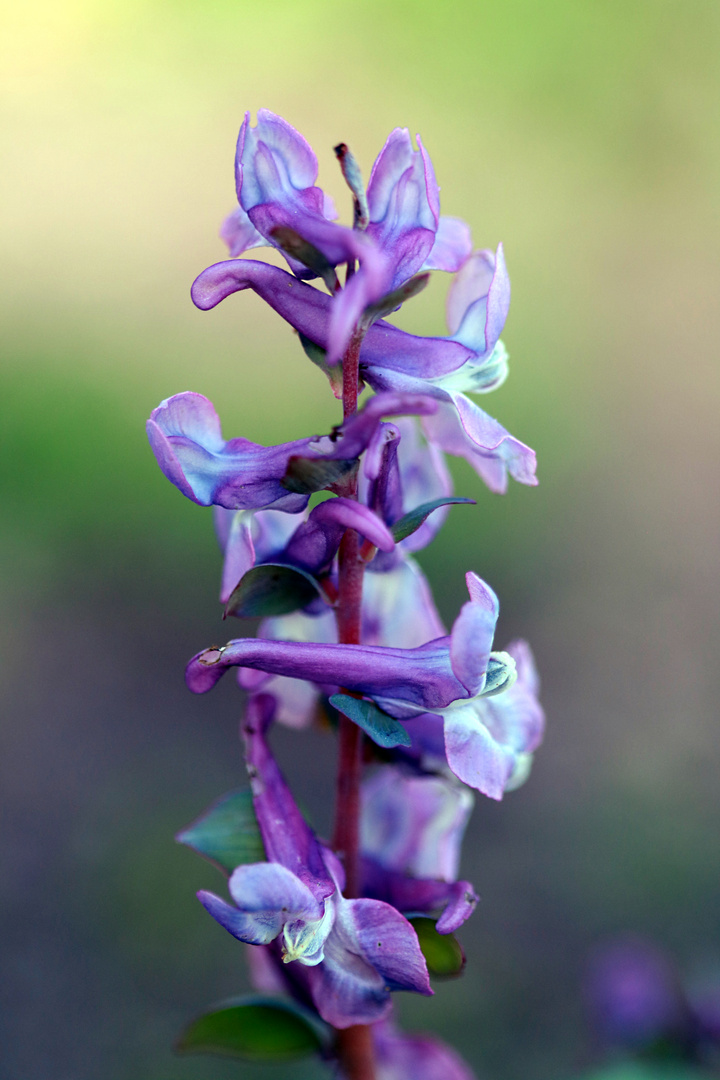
(475, 757)
(455, 900)
(287, 837)
(463, 429)
(316, 541)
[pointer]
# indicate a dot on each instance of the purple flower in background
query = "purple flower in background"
(401, 1056)
(356, 951)
(634, 995)
(185, 436)
(411, 829)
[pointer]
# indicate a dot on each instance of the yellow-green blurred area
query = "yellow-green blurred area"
(584, 135)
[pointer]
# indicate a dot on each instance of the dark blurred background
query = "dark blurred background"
(583, 135)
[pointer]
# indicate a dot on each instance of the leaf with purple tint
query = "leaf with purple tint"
(227, 833)
(272, 589)
(411, 522)
(381, 728)
(305, 475)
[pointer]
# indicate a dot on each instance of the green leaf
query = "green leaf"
(258, 1028)
(297, 247)
(272, 589)
(393, 300)
(443, 955)
(227, 833)
(410, 523)
(382, 729)
(305, 475)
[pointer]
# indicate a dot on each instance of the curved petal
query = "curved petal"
(184, 433)
(254, 928)
(419, 679)
(472, 635)
(452, 246)
(475, 757)
(308, 310)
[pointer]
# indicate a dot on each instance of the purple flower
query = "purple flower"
(185, 435)
(275, 174)
(449, 676)
(415, 1057)
(473, 359)
(356, 951)
(634, 995)
(411, 830)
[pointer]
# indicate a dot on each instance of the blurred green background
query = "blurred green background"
(582, 133)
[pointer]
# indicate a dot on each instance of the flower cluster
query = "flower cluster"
(349, 634)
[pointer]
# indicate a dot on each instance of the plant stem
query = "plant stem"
(354, 1044)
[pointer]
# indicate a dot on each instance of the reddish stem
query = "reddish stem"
(354, 1044)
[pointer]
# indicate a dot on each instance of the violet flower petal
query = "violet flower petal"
(400, 1056)
(452, 246)
(316, 541)
(414, 824)
(185, 436)
(308, 311)
(371, 951)
(288, 839)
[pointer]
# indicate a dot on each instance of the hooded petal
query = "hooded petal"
(266, 896)
(404, 205)
(185, 436)
(472, 635)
